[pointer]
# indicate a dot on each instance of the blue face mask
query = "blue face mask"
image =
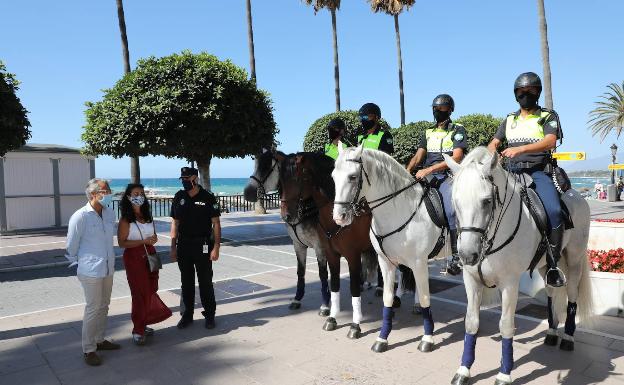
(106, 200)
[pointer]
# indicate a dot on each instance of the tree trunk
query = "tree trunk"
(252, 55)
(203, 166)
(336, 66)
(398, 39)
(135, 168)
(543, 27)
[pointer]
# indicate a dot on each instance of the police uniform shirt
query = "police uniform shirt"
(194, 213)
(443, 141)
(550, 125)
(386, 144)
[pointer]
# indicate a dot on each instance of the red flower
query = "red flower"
(613, 220)
(609, 261)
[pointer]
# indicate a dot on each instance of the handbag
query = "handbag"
(153, 260)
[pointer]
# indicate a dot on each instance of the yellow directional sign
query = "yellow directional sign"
(616, 167)
(579, 155)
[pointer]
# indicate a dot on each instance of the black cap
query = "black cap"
(337, 124)
(188, 171)
(444, 100)
(528, 79)
(370, 108)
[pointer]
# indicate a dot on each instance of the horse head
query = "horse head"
(348, 178)
(266, 174)
(475, 196)
(295, 186)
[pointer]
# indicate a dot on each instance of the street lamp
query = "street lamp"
(614, 149)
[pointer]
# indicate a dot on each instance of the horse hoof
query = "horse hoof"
(396, 303)
(323, 312)
(458, 379)
(417, 310)
(379, 346)
(566, 345)
(425, 346)
(330, 324)
(551, 340)
(354, 332)
(501, 382)
(378, 292)
(294, 305)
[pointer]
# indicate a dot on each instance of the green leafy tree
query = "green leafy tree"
(14, 124)
(609, 112)
(316, 137)
(190, 106)
(332, 6)
(394, 8)
(480, 128)
(407, 138)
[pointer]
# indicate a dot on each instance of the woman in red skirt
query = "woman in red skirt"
(137, 235)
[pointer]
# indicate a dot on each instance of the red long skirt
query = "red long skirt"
(147, 307)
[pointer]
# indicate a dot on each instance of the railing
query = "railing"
(161, 207)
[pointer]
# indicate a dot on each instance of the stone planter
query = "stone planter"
(608, 291)
(605, 235)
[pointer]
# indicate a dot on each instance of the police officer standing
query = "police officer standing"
(532, 134)
(195, 241)
(374, 137)
(445, 137)
(335, 130)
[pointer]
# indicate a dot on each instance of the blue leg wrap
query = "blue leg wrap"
(325, 292)
(468, 357)
(300, 288)
(570, 323)
(507, 360)
(386, 323)
(551, 322)
(427, 320)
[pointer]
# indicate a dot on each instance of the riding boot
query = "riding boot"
(554, 275)
(453, 264)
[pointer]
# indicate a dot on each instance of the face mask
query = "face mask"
(187, 185)
(137, 200)
(527, 100)
(106, 200)
(367, 124)
(441, 116)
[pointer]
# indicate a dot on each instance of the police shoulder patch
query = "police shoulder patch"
(389, 140)
(182, 202)
(459, 136)
(215, 206)
(553, 124)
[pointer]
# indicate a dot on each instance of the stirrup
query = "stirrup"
(560, 273)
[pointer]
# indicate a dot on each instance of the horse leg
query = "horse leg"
(421, 275)
(506, 326)
(388, 272)
(322, 266)
(355, 274)
(333, 260)
(553, 320)
(574, 279)
(474, 291)
(417, 309)
(301, 251)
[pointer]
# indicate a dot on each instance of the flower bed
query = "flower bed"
(614, 220)
(610, 261)
(607, 280)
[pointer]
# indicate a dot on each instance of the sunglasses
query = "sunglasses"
(364, 118)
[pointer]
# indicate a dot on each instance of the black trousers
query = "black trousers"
(191, 259)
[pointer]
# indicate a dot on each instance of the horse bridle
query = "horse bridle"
(300, 200)
(261, 182)
(357, 203)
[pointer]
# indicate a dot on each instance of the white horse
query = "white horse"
(303, 233)
(498, 239)
(402, 231)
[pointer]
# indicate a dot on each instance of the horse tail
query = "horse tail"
(369, 265)
(585, 299)
(490, 297)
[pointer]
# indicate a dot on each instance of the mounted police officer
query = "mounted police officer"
(374, 137)
(532, 134)
(445, 137)
(335, 131)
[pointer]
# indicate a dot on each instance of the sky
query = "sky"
(65, 52)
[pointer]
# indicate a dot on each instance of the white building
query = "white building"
(41, 186)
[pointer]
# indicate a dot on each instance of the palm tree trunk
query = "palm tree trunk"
(135, 168)
(548, 101)
(336, 67)
(401, 95)
(252, 55)
(203, 166)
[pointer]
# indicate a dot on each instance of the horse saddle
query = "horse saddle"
(433, 203)
(536, 207)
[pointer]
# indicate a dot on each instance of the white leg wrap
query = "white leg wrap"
(381, 340)
(427, 338)
(463, 371)
(356, 302)
(335, 304)
(506, 378)
(567, 337)
(552, 332)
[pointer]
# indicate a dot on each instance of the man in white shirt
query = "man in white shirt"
(90, 246)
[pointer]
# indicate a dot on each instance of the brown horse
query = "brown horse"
(306, 176)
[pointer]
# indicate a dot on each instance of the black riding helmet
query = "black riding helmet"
(528, 79)
(336, 124)
(370, 108)
(443, 100)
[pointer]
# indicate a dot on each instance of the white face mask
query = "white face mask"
(137, 200)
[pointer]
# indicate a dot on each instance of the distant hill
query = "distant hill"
(600, 163)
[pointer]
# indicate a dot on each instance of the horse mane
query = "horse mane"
(388, 169)
(471, 174)
(478, 155)
(322, 167)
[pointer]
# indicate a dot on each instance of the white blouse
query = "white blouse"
(147, 229)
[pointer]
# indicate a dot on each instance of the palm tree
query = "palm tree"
(543, 27)
(135, 168)
(332, 6)
(609, 113)
(394, 8)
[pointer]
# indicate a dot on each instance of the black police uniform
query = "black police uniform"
(194, 216)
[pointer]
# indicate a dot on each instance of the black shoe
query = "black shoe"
(185, 322)
(453, 266)
(210, 323)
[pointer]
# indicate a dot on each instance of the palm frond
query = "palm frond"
(320, 4)
(608, 115)
(391, 7)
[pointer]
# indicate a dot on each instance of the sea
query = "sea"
(235, 186)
